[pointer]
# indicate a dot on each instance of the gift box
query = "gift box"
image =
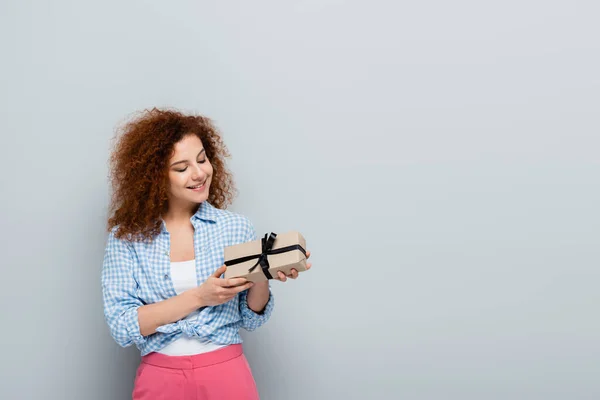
(259, 260)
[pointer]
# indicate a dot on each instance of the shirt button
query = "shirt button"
(166, 276)
(166, 253)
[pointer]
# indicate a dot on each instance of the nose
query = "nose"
(198, 174)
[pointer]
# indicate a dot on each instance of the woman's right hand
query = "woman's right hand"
(216, 290)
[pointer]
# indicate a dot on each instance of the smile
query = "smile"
(197, 187)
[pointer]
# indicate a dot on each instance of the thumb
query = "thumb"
(220, 271)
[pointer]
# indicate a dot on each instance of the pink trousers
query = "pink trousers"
(222, 374)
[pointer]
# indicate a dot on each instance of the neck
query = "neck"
(180, 213)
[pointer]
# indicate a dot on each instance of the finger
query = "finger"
(231, 282)
(281, 276)
(220, 271)
(307, 253)
(308, 266)
(294, 274)
(235, 290)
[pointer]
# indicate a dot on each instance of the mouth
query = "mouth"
(198, 188)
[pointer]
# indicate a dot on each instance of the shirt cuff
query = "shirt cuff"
(133, 326)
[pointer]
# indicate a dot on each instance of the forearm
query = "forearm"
(258, 296)
(164, 312)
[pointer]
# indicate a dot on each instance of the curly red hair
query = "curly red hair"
(139, 169)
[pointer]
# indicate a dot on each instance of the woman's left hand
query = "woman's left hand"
(294, 273)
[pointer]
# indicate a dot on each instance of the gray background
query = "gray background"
(441, 159)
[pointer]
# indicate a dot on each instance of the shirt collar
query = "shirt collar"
(206, 212)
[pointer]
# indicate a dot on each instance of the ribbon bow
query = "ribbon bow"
(267, 246)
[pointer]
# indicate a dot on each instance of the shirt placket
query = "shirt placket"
(202, 252)
(166, 281)
(199, 233)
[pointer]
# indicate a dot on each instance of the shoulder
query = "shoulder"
(114, 243)
(236, 225)
(234, 220)
(118, 254)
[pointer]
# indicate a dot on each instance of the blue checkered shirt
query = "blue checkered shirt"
(138, 273)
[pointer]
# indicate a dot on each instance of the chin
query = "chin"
(200, 198)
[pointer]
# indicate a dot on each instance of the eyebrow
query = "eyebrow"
(182, 161)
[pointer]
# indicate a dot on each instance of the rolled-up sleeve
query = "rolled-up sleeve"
(250, 319)
(119, 293)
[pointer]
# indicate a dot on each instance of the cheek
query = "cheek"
(176, 180)
(209, 169)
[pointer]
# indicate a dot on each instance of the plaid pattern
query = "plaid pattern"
(138, 273)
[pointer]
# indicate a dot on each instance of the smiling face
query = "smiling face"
(190, 173)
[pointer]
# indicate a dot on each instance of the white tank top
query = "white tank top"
(183, 274)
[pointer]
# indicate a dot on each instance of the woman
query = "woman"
(162, 274)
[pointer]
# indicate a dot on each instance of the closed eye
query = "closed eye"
(199, 162)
